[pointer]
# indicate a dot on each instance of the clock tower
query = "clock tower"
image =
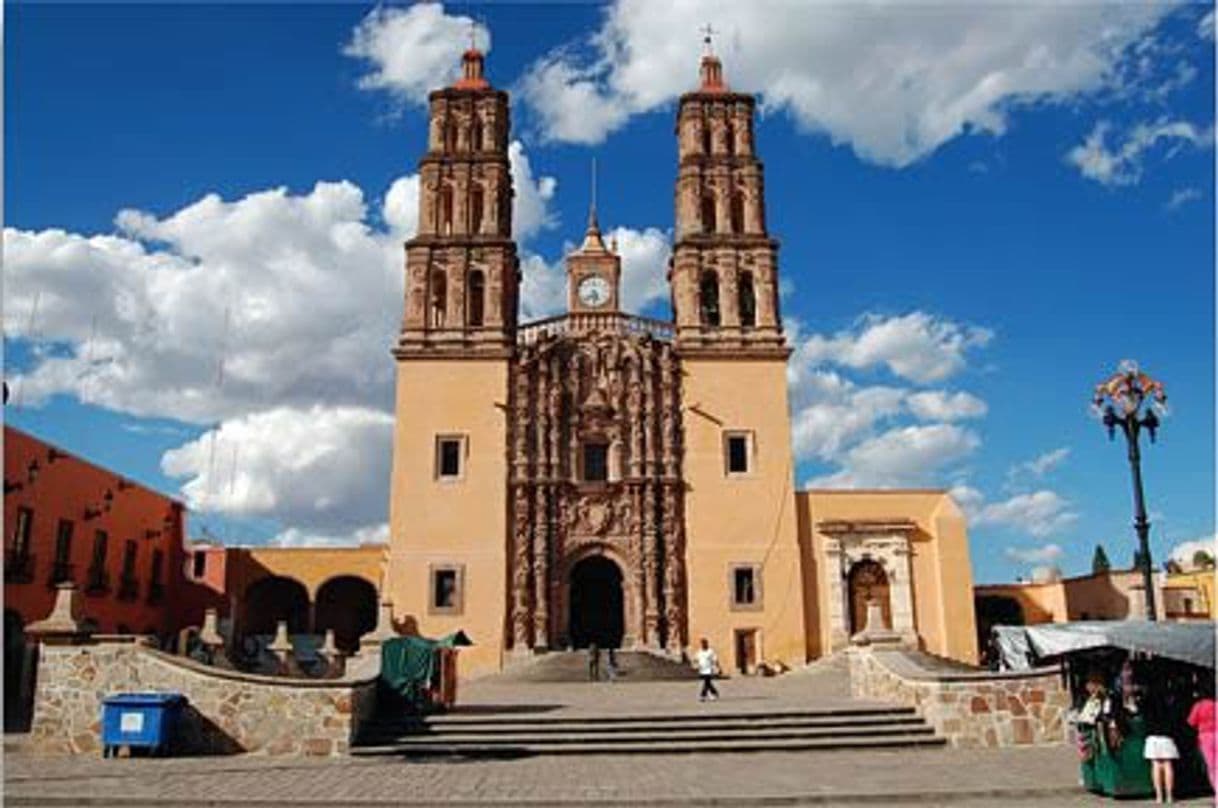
(594, 274)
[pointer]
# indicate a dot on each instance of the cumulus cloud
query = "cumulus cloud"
(531, 211)
(323, 471)
(924, 75)
(1120, 162)
(1184, 552)
(829, 412)
(1039, 513)
(902, 457)
(1045, 554)
(1038, 466)
(916, 346)
(411, 51)
(942, 405)
(1182, 197)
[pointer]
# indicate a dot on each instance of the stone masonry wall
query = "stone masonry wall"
(968, 709)
(227, 711)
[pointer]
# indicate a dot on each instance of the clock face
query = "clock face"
(594, 291)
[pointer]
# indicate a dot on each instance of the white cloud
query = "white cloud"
(1183, 553)
(908, 456)
(1045, 554)
(1040, 513)
(829, 412)
(941, 405)
(916, 346)
(1181, 197)
(400, 210)
(1205, 28)
(1038, 466)
(893, 81)
(1120, 163)
(322, 471)
(411, 51)
(531, 211)
(294, 537)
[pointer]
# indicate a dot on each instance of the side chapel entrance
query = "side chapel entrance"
(868, 581)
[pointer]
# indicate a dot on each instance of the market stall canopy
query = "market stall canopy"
(1023, 647)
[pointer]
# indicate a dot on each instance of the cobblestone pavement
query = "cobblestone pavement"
(923, 777)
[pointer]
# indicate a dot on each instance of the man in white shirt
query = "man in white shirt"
(708, 668)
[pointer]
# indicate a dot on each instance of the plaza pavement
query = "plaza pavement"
(924, 777)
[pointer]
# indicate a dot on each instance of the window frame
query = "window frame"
(462, 442)
(23, 531)
(458, 594)
(602, 445)
(750, 452)
(758, 602)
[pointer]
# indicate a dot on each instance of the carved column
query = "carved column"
(651, 568)
(521, 572)
(674, 570)
(541, 568)
(554, 415)
(839, 631)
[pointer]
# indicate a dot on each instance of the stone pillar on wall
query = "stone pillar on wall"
(835, 572)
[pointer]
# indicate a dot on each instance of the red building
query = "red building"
(67, 519)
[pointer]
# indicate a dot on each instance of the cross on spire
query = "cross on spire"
(473, 34)
(707, 34)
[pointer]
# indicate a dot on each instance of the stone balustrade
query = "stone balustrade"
(969, 709)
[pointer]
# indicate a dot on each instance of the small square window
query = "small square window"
(447, 583)
(450, 457)
(738, 448)
(596, 462)
(745, 583)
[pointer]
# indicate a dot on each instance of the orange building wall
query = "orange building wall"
(64, 487)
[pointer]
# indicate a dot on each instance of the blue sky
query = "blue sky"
(981, 211)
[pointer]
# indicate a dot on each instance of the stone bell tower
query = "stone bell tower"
(724, 271)
(448, 500)
(462, 275)
(740, 524)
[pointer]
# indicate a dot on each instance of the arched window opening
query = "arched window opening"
(708, 213)
(475, 132)
(439, 299)
(477, 297)
(737, 212)
(729, 137)
(706, 137)
(476, 200)
(450, 136)
(708, 296)
(747, 300)
(446, 210)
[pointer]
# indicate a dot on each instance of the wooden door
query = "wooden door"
(868, 581)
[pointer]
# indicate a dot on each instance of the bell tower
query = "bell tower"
(462, 273)
(594, 274)
(724, 271)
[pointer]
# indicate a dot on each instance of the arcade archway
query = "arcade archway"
(346, 604)
(596, 604)
(269, 600)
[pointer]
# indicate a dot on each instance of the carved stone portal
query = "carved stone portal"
(612, 398)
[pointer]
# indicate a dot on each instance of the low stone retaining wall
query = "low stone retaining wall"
(227, 711)
(969, 709)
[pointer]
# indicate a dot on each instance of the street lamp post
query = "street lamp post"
(1129, 400)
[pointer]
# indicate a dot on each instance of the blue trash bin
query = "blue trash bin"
(140, 721)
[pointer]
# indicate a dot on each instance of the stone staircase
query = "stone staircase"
(572, 666)
(504, 735)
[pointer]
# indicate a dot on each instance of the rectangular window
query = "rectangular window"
(199, 562)
(450, 457)
(745, 583)
(596, 462)
(129, 551)
(21, 533)
(63, 542)
(100, 541)
(447, 584)
(738, 448)
(158, 561)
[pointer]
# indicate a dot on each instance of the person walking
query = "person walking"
(708, 668)
(594, 663)
(611, 666)
(1160, 748)
(1202, 719)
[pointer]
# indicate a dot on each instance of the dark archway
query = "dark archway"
(596, 604)
(346, 604)
(269, 600)
(995, 610)
(868, 581)
(18, 675)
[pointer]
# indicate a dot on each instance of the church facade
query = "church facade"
(599, 477)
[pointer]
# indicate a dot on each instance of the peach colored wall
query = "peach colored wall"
(64, 489)
(462, 522)
(941, 567)
(750, 519)
(1041, 603)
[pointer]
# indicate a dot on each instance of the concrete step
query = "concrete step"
(594, 726)
(710, 713)
(572, 666)
(489, 750)
(661, 736)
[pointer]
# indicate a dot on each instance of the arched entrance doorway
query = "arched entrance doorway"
(270, 600)
(596, 604)
(867, 581)
(346, 604)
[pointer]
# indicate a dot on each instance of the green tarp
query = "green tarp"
(409, 663)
